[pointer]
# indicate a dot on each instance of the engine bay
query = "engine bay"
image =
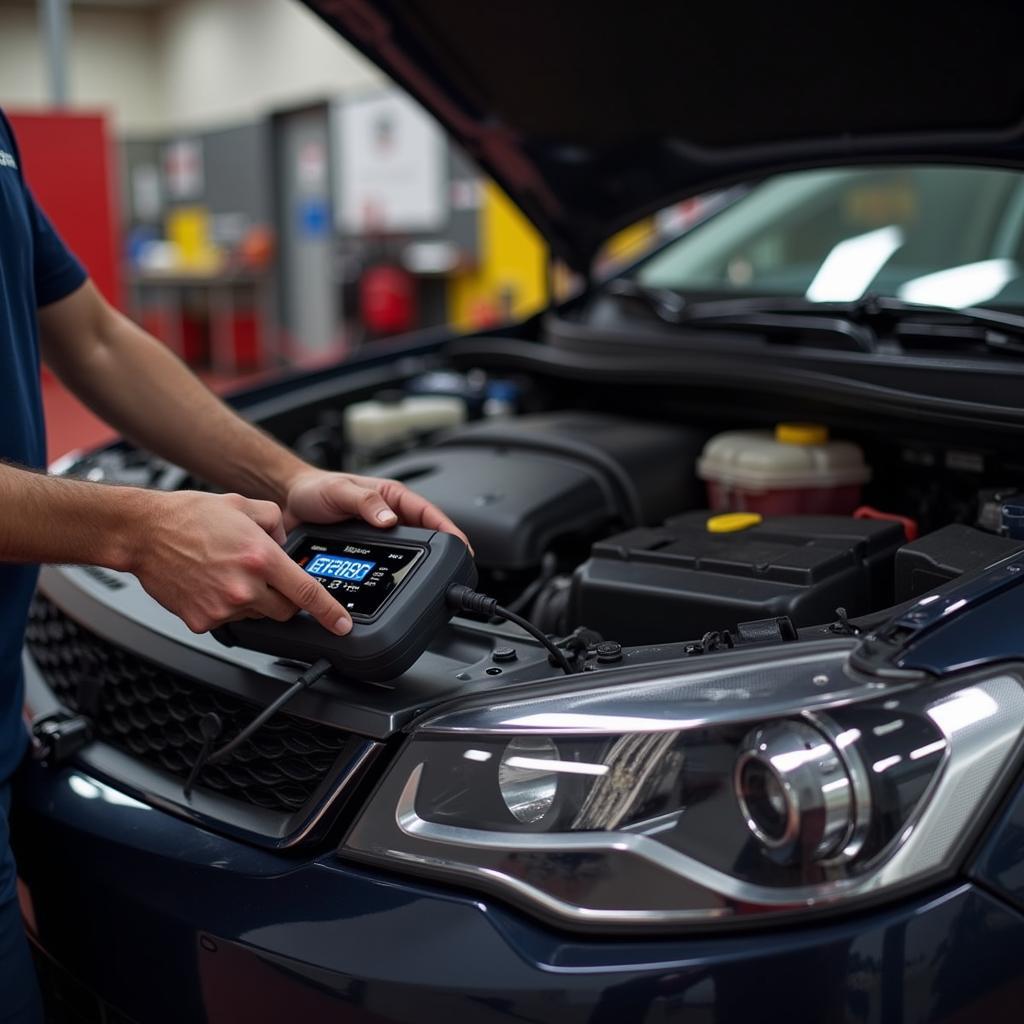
(623, 518)
(651, 532)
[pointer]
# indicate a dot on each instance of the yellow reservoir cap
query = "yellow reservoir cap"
(733, 522)
(801, 433)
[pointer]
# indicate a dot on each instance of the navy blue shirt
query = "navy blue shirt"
(35, 270)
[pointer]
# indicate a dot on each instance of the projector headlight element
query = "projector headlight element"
(730, 790)
(800, 794)
(525, 779)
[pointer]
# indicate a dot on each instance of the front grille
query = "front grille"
(153, 714)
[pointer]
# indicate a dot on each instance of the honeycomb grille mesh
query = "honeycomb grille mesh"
(153, 714)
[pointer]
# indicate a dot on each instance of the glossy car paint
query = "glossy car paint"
(236, 934)
(1000, 862)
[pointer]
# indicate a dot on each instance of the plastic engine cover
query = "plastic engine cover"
(516, 486)
(678, 581)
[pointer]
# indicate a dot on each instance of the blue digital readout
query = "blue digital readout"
(334, 567)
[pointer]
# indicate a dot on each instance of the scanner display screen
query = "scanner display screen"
(360, 577)
(334, 568)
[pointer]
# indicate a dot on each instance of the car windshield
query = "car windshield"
(949, 236)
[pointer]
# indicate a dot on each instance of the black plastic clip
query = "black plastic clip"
(843, 626)
(777, 630)
(57, 737)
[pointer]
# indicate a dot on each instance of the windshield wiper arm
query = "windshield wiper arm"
(664, 303)
(902, 310)
(883, 313)
(673, 308)
(996, 330)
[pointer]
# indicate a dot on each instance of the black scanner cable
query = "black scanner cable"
(210, 724)
(458, 597)
(461, 598)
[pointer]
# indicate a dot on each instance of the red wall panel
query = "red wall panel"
(69, 163)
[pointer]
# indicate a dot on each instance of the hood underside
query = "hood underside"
(591, 115)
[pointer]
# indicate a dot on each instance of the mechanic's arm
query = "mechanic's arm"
(209, 558)
(138, 386)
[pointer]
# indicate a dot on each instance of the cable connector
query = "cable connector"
(461, 598)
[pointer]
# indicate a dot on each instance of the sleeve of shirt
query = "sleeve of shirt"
(56, 270)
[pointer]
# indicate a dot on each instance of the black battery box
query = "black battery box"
(680, 580)
(945, 554)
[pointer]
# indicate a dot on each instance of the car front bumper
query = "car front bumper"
(166, 922)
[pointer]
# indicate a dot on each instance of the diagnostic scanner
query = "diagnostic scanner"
(392, 582)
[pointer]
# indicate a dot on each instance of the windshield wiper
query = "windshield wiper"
(764, 317)
(664, 303)
(994, 329)
(861, 321)
(883, 314)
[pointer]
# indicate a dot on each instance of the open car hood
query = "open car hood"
(591, 115)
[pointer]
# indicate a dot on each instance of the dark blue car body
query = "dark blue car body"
(188, 926)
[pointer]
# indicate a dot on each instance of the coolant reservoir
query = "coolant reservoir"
(377, 428)
(796, 470)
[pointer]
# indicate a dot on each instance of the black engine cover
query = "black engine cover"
(518, 486)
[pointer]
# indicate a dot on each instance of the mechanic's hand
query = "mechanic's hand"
(216, 558)
(321, 497)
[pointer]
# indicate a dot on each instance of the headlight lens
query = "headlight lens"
(750, 789)
(526, 781)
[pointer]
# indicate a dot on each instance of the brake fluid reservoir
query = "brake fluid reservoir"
(797, 470)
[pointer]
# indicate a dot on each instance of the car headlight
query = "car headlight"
(748, 789)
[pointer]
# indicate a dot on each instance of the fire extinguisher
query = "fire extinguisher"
(387, 300)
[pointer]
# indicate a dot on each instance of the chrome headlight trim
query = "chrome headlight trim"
(857, 772)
